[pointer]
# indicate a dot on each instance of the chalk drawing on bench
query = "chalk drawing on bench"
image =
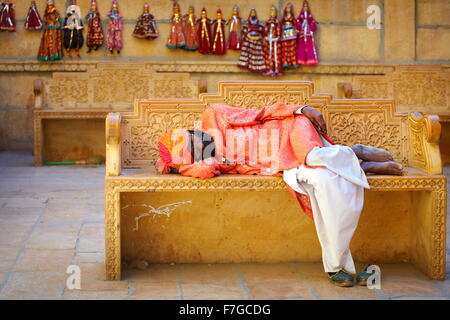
(165, 210)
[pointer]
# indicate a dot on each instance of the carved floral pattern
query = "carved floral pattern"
(349, 128)
(257, 101)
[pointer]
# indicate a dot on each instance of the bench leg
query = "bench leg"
(428, 236)
(112, 233)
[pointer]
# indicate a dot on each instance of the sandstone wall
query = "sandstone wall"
(413, 32)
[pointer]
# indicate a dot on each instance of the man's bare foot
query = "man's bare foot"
(384, 168)
(367, 153)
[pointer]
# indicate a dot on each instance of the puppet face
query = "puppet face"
(203, 14)
(146, 8)
(191, 10)
(289, 8)
(235, 11)
(219, 15)
(253, 13)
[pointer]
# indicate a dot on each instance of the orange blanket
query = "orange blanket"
(263, 142)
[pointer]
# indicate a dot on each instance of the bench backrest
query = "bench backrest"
(372, 122)
(114, 86)
(414, 88)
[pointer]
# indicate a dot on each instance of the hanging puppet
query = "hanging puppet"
(73, 29)
(218, 35)
(146, 25)
(94, 37)
(204, 33)
(272, 49)
(289, 38)
(234, 29)
(51, 43)
(306, 47)
(176, 37)
(189, 30)
(114, 38)
(33, 20)
(252, 54)
(7, 17)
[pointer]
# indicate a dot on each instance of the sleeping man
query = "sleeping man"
(327, 180)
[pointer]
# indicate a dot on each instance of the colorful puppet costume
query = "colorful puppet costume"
(272, 45)
(94, 38)
(73, 29)
(146, 25)
(235, 26)
(51, 43)
(204, 33)
(33, 20)
(218, 35)
(289, 38)
(7, 17)
(189, 30)
(176, 36)
(252, 53)
(306, 47)
(114, 35)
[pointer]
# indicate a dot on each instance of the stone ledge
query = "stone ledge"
(187, 66)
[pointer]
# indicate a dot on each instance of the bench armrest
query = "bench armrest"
(424, 152)
(113, 158)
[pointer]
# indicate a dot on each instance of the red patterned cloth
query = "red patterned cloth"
(204, 35)
(289, 38)
(218, 36)
(252, 52)
(33, 20)
(272, 47)
(306, 47)
(7, 17)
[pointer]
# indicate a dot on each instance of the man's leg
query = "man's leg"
(336, 191)
(376, 160)
(337, 204)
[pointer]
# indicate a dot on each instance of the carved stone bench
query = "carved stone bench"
(423, 89)
(236, 219)
(69, 111)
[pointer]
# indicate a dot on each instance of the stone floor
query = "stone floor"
(52, 217)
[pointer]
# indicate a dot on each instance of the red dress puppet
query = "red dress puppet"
(239, 137)
(272, 48)
(306, 47)
(252, 53)
(51, 43)
(218, 35)
(204, 33)
(33, 20)
(189, 30)
(94, 38)
(7, 17)
(146, 25)
(235, 26)
(114, 31)
(289, 38)
(176, 37)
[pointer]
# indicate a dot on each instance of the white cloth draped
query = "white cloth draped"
(336, 191)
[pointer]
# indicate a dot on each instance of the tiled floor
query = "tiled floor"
(52, 217)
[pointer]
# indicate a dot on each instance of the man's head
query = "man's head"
(201, 145)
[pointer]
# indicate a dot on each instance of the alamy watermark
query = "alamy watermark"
(73, 282)
(374, 18)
